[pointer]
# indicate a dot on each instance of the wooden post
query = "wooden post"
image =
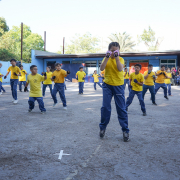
(44, 40)
(21, 41)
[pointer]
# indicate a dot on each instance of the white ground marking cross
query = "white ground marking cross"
(61, 154)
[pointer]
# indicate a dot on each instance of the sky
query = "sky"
(65, 18)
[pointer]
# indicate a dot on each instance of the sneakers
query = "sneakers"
(102, 133)
(166, 97)
(0, 93)
(170, 95)
(65, 108)
(29, 110)
(15, 101)
(43, 112)
(54, 105)
(125, 136)
(144, 114)
(154, 104)
(20, 90)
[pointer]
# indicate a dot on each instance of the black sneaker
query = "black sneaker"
(154, 104)
(125, 136)
(20, 90)
(166, 97)
(102, 133)
(144, 114)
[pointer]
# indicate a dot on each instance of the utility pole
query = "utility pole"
(63, 44)
(44, 40)
(21, 41)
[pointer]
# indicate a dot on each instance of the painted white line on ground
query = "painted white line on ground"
(84, 164)
(61, 154)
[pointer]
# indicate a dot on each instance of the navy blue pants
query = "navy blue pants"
(59, 87)
(20, 84)
(1, 87)
(81, 86)
(44, 88)
(152, 91)
(39, 100)
(126, 81)
(131, 97)
(169, 88)
(118, 93)
(14, 83)
(163, 85)
(98, 84)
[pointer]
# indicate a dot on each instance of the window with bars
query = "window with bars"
(168, 63)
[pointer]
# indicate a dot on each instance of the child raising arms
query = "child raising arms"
(113, 86)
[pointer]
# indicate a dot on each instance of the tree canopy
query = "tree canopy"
(3, 26)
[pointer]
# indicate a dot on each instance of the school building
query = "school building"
(92, 62)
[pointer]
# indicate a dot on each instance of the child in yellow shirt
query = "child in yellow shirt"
(48, 81)
(161, 76)
(22, 78)
(136, 84)
(15, 72)
(58, 78)
(35, 79)
(126, 78)
(81, 77)
(168, 81)
(113, 86)
(96, 79)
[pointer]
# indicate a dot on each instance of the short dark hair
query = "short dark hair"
(162, 66)
(95, 70)
(21, 65)
(80, 67)
(12, 60)
(49, 67)
(31, 67)
(57, 64)
(139, 65)
(116, 44)
(150, 65)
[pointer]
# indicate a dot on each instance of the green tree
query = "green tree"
(11, 41)
(5, 55)
(149, 39)
(125, 41)
(3, 26)
(82, 44)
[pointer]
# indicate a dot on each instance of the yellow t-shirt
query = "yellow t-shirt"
(112, 76)
(96, 77)
(14, 70)
(149, 81)
(35, 85)
(80, 75)
(160, 79)
(60, 75)
(49, 76)
(140, 78)
(127, 75)
(0, 78)
(23, 75)
(168, 81)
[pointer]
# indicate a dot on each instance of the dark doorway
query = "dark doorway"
(52, 64)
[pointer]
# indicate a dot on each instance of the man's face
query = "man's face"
(150, 68)
(34, 70)
(95, 72)
(21, 67)
(58, 67)
(137, 69)
(125, 70)
(163, 69)
(13, 63)
(81, 69)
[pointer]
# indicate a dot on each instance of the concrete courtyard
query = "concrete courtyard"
(30, 143)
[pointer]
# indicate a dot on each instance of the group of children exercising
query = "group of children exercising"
(114, 83)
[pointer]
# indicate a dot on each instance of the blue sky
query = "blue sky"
(99, 17)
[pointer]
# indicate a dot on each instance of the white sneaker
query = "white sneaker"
(0, 93)
(29, 110)
(54, 105)
(43, 112)
(15, 101)
(65, 108)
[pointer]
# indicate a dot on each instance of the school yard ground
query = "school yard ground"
(30, 143)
